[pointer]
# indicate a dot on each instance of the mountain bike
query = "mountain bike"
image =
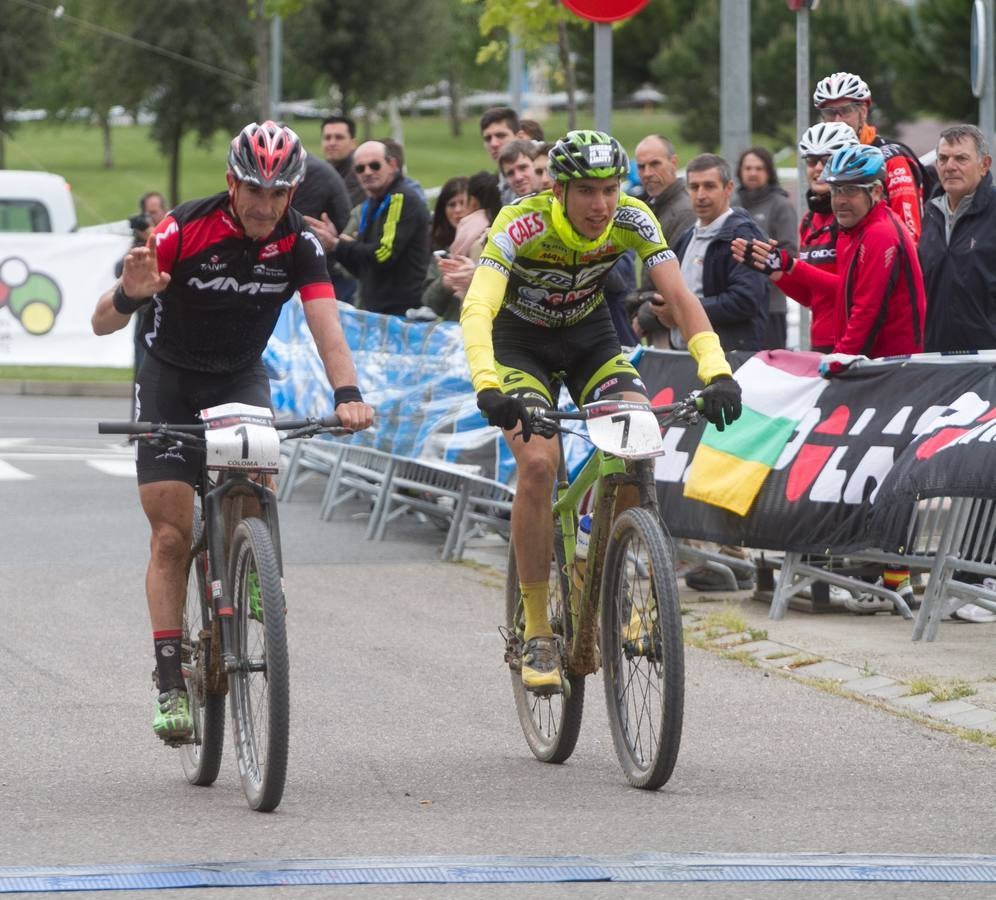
(234, 639)
(620, 609)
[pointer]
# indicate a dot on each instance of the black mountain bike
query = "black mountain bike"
(234, 632)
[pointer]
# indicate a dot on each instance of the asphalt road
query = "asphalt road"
(404, 736)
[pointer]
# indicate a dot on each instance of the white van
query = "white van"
(35, 201)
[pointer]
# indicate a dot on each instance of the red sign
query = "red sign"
(605, 10)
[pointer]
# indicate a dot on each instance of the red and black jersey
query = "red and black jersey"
(818, 247)
(226, 289)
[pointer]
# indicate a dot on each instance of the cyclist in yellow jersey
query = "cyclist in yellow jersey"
(535, 317)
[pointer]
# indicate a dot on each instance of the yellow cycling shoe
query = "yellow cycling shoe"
(541, 666)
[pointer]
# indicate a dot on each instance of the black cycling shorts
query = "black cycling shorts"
(164, 393)
(533, 361)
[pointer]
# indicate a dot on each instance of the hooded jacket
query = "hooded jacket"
(734, 297)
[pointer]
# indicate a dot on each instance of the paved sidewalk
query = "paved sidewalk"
(951, 681)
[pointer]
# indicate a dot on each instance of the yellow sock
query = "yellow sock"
(534, 597)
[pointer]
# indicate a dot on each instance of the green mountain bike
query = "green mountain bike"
(619, 609)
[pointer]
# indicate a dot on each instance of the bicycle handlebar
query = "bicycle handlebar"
(307, 425)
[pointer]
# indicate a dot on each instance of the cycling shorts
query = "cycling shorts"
(586, 358)
(164, 393)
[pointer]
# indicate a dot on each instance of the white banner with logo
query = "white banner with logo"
(49, 286)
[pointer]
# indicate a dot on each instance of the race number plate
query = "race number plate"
(629, 430)
(240, 436)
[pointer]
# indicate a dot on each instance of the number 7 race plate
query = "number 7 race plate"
(240, 436)
(625, 429)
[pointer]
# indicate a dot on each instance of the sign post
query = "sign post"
(602, 13)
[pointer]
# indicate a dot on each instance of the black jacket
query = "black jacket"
(391, 252)
(734, 297)
(960, 276)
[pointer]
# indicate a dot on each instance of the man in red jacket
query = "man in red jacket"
(880, 304)
(844, 97)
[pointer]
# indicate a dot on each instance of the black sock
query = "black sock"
(167, 645)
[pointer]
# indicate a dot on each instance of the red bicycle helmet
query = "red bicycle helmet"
(267, 155)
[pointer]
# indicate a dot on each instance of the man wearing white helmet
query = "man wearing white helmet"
(844, 97)
(819, 227)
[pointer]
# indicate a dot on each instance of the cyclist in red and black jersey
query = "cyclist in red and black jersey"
(818, 230)
(845, 97)
(217, 272)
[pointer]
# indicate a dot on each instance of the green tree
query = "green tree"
(537, 24)
(91, 52)
(25, 42)
(844, 36)
(369, 51)
(201, 79)
(934, 66)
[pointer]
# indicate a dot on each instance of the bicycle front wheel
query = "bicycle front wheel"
(551, 724)
(642, 650)
(260, 685)
(201, 760)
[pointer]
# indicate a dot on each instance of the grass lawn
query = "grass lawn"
(74, 151)
(64, 373)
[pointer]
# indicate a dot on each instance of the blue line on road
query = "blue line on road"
(647, 867)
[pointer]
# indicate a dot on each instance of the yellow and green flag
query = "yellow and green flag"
(730, 466)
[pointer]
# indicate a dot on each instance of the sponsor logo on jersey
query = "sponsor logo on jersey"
(172, 228)
(661, 257)
(214, 265)
(818, 254)
(634, 219)
(227, 283)
(315, 243)
(898, 177)
(525, 228)
(269, 251)
(260, 270)
(504, 244)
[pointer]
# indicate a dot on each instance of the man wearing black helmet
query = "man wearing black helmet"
(217, 272)
(536, 309)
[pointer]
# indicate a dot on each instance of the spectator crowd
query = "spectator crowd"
(890, 258)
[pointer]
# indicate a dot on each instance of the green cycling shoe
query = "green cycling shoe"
(173, 722)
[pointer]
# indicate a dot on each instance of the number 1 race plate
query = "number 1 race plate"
(240, 436)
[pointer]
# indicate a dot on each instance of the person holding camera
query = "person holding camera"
(151, 211)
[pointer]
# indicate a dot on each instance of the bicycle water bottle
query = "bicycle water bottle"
(581, 542)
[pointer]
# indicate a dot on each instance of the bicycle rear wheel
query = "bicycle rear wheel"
(551, 724)
(260, 686)
(642, 650)
(202, 759)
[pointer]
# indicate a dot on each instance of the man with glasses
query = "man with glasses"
(844, 97)
(880, 302)
(390, 252)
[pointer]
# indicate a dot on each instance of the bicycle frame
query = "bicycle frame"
(606, 473)
(214, 536)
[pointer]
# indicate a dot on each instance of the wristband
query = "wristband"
(347, 393)
(708, 353)
(126, 305)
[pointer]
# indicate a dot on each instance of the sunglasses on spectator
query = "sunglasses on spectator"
(829, 113)
(362, 167)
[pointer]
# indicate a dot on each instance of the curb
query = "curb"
(66, 388)
(849, 681)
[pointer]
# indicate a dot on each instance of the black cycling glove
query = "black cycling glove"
(721, 403)
(777, 260)
(503, 411)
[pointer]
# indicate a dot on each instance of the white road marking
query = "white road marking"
(119, 467)
(12, 473)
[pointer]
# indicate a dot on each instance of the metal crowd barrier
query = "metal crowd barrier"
(947, 538)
